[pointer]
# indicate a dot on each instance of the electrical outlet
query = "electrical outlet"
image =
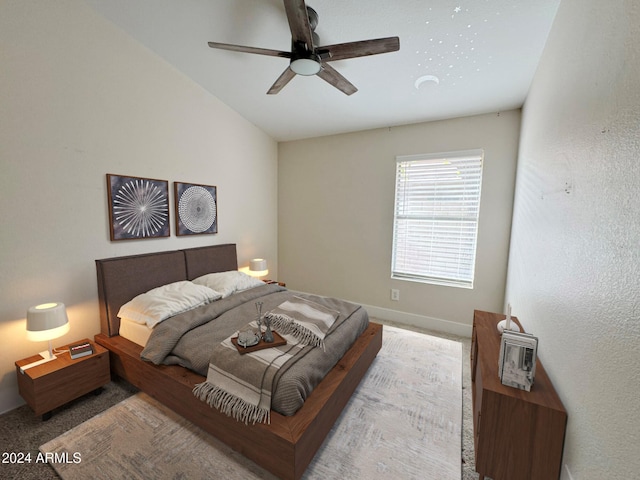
(395, 294)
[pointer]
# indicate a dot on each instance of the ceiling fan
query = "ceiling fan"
(307, 58)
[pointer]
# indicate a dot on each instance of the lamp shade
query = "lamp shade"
(258, 267)
(47, 321)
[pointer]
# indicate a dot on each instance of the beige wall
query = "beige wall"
(575, 257)
(79, 99)
(335, 217)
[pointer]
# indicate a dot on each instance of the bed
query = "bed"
(287, 444)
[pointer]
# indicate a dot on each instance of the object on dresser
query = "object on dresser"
(517, 359)
(80, 350)
(507, 324)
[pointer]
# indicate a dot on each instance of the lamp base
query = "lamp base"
(46, 357)
(502, 326)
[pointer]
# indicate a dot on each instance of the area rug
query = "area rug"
(403, 422)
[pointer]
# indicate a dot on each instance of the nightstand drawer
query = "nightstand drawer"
(55, 383)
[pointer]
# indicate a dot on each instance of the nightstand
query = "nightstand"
(52, 384)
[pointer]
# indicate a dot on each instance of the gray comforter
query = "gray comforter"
(187, 340)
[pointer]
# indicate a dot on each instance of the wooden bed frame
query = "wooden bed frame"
(287, 445)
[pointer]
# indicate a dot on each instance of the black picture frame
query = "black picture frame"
(138, 207)
(196, 208)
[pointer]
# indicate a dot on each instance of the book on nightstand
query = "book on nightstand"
(80, 350)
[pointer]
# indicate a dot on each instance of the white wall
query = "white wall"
(575, 258)
(80, 99)
(335, 212)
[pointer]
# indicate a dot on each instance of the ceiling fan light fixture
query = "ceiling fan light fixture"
(305, 66)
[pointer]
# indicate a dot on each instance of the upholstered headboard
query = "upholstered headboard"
(203, 260)
(122, 278)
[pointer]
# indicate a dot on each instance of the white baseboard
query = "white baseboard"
(420, 321)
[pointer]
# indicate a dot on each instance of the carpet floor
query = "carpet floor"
(21, 431)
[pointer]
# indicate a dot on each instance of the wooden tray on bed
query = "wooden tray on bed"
(261, 345)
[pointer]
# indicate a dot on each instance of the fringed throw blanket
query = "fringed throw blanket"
(240, 385)
(307, 321)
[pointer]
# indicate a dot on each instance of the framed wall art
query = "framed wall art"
(196, 209)
(138, 207)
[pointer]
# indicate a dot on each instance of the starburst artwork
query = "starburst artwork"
(138, 207)
(196, 209)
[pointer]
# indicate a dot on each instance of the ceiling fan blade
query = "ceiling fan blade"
(259, 51)
(342, 51)
(299, 22)
(331, 75)
(282, 80)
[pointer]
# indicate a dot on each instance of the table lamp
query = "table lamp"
(507, 324)
(258, 267)
(44, 323)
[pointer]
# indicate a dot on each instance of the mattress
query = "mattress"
(135, 332)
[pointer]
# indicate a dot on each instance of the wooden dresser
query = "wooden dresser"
(518, 435)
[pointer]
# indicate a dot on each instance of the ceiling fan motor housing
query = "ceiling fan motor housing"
(304, 59)
(313, 17)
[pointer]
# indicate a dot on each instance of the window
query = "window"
(436, 217)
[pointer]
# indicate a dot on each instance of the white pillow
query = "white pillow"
(166, 301)
(228, 282)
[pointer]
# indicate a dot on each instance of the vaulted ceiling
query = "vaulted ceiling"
(456, 58)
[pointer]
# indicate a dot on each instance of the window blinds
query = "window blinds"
(436, 217)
